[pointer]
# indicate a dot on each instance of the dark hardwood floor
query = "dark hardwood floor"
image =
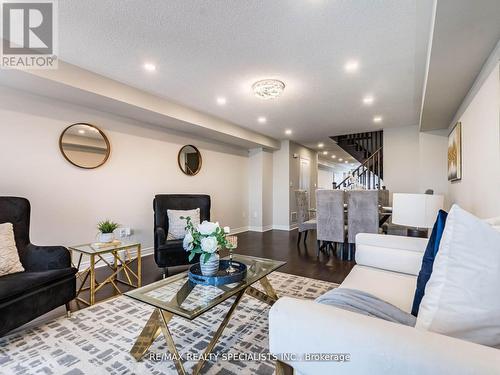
(280, 245)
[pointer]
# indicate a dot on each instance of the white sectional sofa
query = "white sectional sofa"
(387, 267)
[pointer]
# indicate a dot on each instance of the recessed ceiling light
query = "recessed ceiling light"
(320, 145)
(368, 100)
(262, 120)
(268, 88)
(341, 159)
(149, 67)
(81, 131)
(334, 156)
(325, 152)
(351, 66)
(221, 100)
(288, 132)
(346, 162)
(377, 119)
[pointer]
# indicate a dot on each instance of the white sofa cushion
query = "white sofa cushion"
(177, 226)
(9, 257)
(375, 345)
(393, 253)
(395, 288)
(461, 298)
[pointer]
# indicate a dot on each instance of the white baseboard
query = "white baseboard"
(239, 230)
(260, 229)
(285, 227)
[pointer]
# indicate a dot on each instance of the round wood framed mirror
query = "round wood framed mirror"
(189, 160)
(84, 145)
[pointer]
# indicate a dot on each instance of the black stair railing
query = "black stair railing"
(368, 174)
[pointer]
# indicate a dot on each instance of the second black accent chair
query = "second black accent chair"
(170, 253)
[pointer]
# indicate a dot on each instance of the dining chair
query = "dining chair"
(303, 218)
(362, 215)
(330, 218)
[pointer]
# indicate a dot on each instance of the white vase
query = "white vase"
(106, 237)
(211, 266)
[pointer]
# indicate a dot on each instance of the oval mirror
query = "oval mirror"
(189, 160)
(84, 145)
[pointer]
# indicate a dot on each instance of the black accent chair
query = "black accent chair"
(48, 281)
(170, 253)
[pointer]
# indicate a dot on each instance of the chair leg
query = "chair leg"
(164, 273)
(298, 238)
(350, 252)
(305, 236)
(319, 248)
(68, 310)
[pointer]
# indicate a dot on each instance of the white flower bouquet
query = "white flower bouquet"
(206, 239)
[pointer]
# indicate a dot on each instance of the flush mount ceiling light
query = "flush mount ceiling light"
(341, 159)
(261, 120)
(221, 100)
(268, 88)
(288, 132)
(351, 66)
(325, 152)
(377, 119)
(149, 67)
(368, 100)
(320, 145)
(334, 156)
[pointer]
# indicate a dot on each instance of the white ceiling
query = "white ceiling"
(465, 33)
(203, 50)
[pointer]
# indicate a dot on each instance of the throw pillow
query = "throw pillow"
(461, 298)
(9, 257)
(428, 260)
(177, 226)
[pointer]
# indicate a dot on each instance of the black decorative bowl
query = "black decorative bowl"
(222, 277)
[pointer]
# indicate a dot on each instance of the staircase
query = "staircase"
(366, 148)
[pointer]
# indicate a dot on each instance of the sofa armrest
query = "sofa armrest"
(160, 236)
(43, 258)
(375, 346)
(392, 253)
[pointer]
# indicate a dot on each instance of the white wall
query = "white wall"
(414, 161)
(312, 156)
(281, 187)
(68, 201)
(479, 189)
(260, 189)
(401, 156)
(325, 177)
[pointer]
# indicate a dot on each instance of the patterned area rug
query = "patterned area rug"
(97, 340)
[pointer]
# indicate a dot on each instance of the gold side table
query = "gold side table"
(119, 261)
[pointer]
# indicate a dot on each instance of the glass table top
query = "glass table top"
(100, 248)
(180, 296)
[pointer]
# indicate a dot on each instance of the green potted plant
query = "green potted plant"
(106, 229)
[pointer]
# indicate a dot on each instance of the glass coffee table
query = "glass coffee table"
(177, 295)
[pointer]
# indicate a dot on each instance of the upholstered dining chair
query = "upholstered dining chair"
(362, 215)
(170, 253)
(303, 218)
(330, 218)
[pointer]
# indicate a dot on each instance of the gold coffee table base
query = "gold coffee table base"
(159, 319)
